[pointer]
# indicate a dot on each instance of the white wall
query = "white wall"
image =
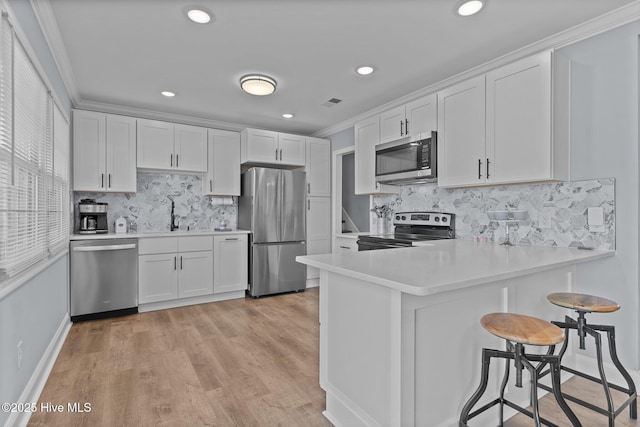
(33, 312)
(604, 143)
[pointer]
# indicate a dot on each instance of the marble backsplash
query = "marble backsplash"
(564, 204)
(149, 209)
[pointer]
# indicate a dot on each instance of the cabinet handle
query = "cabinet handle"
(231, 238)
(101, 180)
(171, 161)
(308, 205)
(177, 162)
(401, 131)
(308, 188)
(479, 168)
(488, 168)
(345, 247)
(211, 185)
(109, 180)
(180, 262)
(175, 263)
(276, 154)
(281, 154)
(406, 126)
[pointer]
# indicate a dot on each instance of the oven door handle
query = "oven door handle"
(104, 248)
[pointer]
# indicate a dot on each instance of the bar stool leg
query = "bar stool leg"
(605, 384)
(534, 391)
(633, 409)
(555, 386)
(503, 387)
(484, 380)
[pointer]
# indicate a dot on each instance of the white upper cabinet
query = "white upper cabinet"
(410, 119)
(190, 148)
(104, 152)
(223, 171)
(318, 167)
(367, 136)
(497, 128)
(461, 134)
(274, 148)
(169, 146)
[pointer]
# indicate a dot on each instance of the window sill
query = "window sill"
(15, 282)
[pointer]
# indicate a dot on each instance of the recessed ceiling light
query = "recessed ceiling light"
(288, 115)
(168, 94)
(199, 16)
(257, 84)
(364, 70)
(469, 7)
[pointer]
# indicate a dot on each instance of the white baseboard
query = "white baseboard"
(34, 387)
(182, 302)
(313, 283)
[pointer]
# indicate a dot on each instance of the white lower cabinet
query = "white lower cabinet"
(230, 263)
(318, 230)
(174, 267)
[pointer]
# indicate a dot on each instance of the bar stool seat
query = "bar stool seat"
(518, 330)
(582, 304)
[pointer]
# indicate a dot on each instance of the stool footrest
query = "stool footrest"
(591, 406)
(528, 413)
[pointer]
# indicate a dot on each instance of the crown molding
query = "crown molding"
(593, 27)
(103, 107)
(47, 21)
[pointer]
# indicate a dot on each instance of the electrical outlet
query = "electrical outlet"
(19, 355)
(545, 218)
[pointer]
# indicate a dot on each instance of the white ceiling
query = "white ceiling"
(124, 52)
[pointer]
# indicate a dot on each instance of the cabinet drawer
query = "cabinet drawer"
(346, 244)
(195, 243)
(158, 245)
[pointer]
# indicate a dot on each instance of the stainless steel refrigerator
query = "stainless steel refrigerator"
(272, 207)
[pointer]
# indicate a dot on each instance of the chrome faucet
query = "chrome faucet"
(174, 218)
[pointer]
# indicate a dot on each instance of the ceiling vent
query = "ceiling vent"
(332, 102)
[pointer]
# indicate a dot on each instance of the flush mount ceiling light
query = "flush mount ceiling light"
(168, 94)
(288, 116)
(365, 70)
(199, 16)
(257, 84)
(469, 7)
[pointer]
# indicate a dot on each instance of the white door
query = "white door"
(461, 134)
(261, 146)
(223, 177)
(190, 148)
(155, 144)
(422, 115)
(195, 273)
(121, 154)
(318, 167)
(392, 125)
(230, 269)
(157, 278)
(89, 151)
(519, 121)
(291, 149)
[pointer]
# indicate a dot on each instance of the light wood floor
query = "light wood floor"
(233, 363)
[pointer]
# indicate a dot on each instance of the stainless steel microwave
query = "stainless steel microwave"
(407, 161)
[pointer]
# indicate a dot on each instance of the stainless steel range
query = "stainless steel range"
(411, 227)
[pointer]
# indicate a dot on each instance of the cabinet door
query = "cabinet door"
(461, 134)
(195, 273)
(259, 146)
(422, 115)
(230, 268)
(157, 278)
(519, 121)
(367, 135)
(318, 167)
(121, 154)
(155, 144)
(88, 151)
(291, 149)
(392, 125)
(190, 148)
(223, 172)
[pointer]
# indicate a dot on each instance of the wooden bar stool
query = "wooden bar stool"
(518, 330)
(583, 304)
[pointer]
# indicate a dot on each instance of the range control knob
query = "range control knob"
(444, 219)
(404, 217)
(397, 217)
(437, 219)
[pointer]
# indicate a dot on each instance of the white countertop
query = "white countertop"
(447, 265)
(145, 234)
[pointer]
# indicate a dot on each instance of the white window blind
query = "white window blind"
(34, 152)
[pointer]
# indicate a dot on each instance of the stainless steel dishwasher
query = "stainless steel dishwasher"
(104, 278)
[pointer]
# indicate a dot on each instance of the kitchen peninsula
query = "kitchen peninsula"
(400, 334)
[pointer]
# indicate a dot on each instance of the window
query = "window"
(34, 165)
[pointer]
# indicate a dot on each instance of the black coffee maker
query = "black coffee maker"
(93, 217)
